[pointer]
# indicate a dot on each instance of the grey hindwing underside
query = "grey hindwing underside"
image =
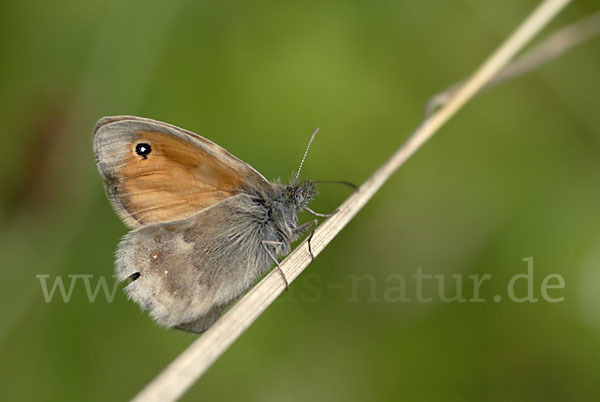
(190, 270)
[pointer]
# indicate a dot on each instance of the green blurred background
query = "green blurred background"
(516, 174)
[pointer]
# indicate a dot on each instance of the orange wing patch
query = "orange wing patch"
(174, 181)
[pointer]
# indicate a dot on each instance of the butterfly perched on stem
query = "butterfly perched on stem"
(205, 224)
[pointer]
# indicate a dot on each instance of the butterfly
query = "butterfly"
(205, 225)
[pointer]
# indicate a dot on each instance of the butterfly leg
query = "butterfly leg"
(278, 243)
(314, 223)
(319, 214)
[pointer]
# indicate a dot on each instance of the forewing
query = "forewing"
(183, 173)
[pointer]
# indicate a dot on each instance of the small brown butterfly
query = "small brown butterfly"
(205, 224)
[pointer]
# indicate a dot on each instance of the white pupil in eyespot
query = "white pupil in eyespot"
(143, 149)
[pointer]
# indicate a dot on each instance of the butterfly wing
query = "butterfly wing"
(185, 272)
(156, 172)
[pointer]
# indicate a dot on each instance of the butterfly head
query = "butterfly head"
(300, 193)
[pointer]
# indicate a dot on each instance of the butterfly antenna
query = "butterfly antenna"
(312, 137)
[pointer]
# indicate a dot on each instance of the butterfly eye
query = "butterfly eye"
(143, 150)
